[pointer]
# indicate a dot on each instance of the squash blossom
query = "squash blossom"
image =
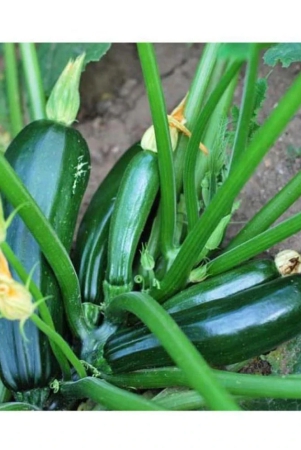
(176, 122)
(15, 298)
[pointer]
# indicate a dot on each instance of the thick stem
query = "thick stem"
(246, 385)
(247, 104)
(253, 247)
(33, 80)
(201, 122)
(165, 157)
(200, 82)
(270, 212)
(13, 91)
(178, 274)
(109, 395)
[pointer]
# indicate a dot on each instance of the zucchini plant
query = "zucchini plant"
(150, 295)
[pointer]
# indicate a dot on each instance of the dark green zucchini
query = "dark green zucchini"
(135, 198)
(223, 285)
(53, 162)
(90, 254)
(226, 331)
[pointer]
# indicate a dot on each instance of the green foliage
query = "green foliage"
(286, 359)
(271, 404)
(260, 96)
(53, 57)
(284, 53)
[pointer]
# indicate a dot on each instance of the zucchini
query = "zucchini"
(53, 162)
(135, 198)
(226, 331)
(90, 254)
(223, 285)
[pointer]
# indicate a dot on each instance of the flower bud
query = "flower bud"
(64, 101)
(147, 260)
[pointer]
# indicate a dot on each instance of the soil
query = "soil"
(115, 113)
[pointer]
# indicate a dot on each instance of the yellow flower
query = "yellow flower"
(176, 121)
(15, 298)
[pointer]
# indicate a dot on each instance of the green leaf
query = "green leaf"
(53, 57)
(235, 51)
(286, 359)
(270, 404)
(284, 53)
(260, 94)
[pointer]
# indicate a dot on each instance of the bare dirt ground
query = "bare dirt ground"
(115, 113)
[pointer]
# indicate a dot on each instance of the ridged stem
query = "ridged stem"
(246, 250)
(33, 80)
(200, 82)
(247, 104)
(13, 91)
(252, 386)
(201, 122)
(178, 274)
(270, 212)
(107, 394)
(165, 157)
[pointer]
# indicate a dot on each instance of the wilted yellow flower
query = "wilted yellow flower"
(288, 262)
(4, 270)
(15, 298)
(176, 122)
(148, 141)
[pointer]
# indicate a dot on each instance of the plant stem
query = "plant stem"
(252, 247)
(211, 140)
(13, 91)
(252, 386)
(61, 343)
(181, 401)
(247, 104)
(201, 122)
(200, 82)
(106, 394)
(18, 406)
(270, 212)
(43, 309)
(165, 157)
(33, 80)
(178, 274)
(54, 251)
(175, 342)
